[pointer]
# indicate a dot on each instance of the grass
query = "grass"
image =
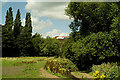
(14, 68)
(29, 67)
(91, 73)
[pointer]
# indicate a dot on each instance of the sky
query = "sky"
(48, 18)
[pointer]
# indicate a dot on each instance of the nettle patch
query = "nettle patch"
(60, 66)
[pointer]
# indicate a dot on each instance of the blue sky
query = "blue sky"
(48, 18)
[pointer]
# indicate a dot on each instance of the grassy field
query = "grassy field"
(29, 67)
(24, 67)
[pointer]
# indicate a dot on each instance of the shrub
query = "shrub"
(109, 70)
(62, 66)
(95, 49)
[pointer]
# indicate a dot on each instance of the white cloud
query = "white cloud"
(55, 32)
(50, 9)
(5, 0)
(39, 25)
(23, 22)
(53, 10)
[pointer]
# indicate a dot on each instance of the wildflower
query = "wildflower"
(102, 76)
(60, 69)
(48, 68)
(95, 77)
(96, 72)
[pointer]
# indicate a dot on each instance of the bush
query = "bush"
(110, 70)
(95, 49)
(60, 65)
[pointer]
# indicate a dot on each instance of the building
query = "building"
(61, 37)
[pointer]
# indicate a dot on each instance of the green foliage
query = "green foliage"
(110, 70)
(20, 42)
(98, 38)
(95, 16)
(7, 35)
(51, 47)
(75, 25)
(75, 36)
(38, 42)
(95, 48)
(66, 48)
(9, 18)
(17, 24)
(25, 45)
(60, 65)
(28, 24)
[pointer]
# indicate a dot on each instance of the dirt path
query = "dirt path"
(78, 75)
(45, 74)
(82, 75)
(13, 70)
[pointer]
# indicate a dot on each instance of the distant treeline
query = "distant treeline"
(17, 40)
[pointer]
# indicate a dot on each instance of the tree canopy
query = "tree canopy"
(96, 38)
(95, 16)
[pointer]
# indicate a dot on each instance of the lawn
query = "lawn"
(24, 67)
(32, 67)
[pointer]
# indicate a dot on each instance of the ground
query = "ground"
(31, 67)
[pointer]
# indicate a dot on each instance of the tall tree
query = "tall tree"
(95, 16)
(10, 19)
(24, 40)
(7, 35)
(17, 24)
(99, 39)
(28, 24)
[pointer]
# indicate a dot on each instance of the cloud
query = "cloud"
(55, 32)
(39, 25)
(54, 10)
(50, 9)
(23, 22)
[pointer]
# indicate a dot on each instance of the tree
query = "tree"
(25, 45)
(38, 42)
(7, 35)
(17, 24)
(24, 40)
(51, 47)
(98, 38)
(10, 19)
(28, 24)
(95, 16)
